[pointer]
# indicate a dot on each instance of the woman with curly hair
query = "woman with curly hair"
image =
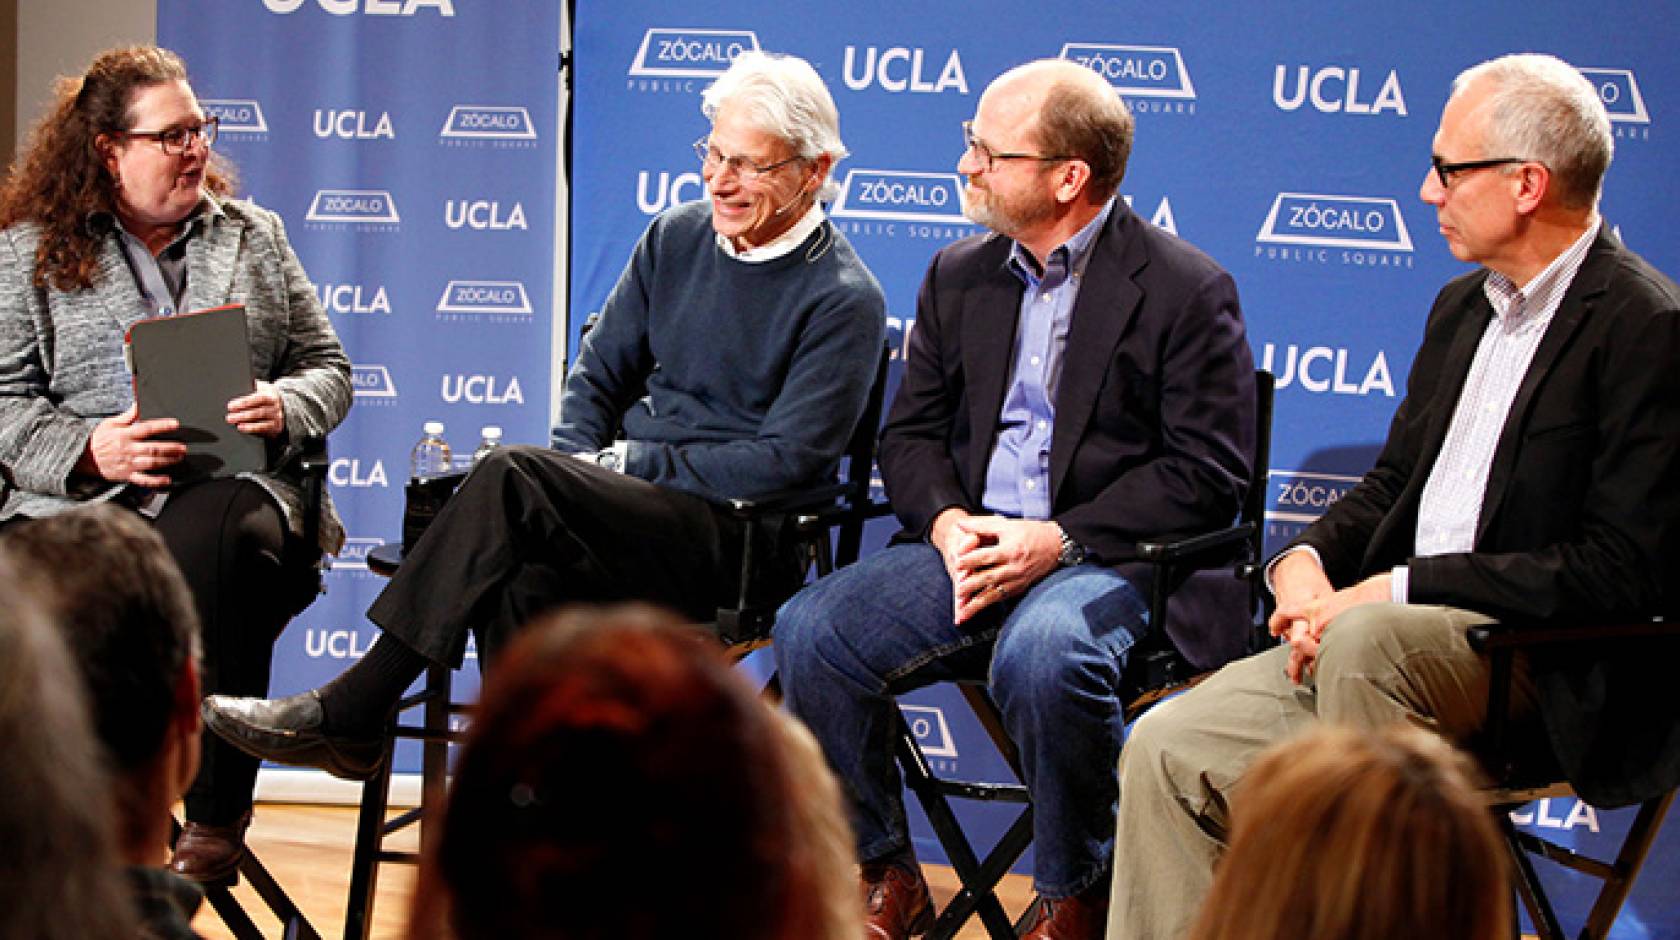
(117, 210)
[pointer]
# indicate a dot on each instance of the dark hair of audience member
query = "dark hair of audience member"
(59, 874)
(108, 581)
(1344, 834)
(621, 781)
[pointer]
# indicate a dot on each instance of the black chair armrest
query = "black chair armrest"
(1496, 636)
(833, 513)
(1195, 546)
(1502, 641)
(787, 501)
(308, 459)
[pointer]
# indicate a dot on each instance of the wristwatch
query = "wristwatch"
(1072, 552)
(608, 458)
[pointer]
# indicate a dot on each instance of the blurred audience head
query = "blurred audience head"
(59, 873)
(1343, 834)
(107, 581)
(621, 781)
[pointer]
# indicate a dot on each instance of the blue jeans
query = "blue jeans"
(850, 642)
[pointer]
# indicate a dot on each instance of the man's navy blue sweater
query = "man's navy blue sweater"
(728, 378)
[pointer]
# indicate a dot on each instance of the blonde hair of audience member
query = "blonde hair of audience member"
(1340, 834)
(59, 873)
(621, 781)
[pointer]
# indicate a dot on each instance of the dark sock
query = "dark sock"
(361, 698)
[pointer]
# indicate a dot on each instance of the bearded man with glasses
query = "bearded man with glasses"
(732, 359)
(1078, 382)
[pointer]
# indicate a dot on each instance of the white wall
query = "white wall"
(60, 37)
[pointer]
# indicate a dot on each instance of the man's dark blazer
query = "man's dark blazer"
(1581, 518)
(1154, 426)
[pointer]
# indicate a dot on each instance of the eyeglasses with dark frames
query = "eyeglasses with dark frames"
(749, 169)
(986, 155)
(1444, 170)
(178, 140)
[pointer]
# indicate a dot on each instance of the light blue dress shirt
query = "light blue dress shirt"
(1018, 474)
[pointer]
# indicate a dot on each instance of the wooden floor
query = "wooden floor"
(308, 849)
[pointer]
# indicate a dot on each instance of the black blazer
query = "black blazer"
(1154, 428)
(1581, 519)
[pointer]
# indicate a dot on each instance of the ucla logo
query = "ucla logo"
(353, 205)
(1540, 815)
(1163, 217)
(372, 382)
(1334, 90)
(483, 215)
(900, 195)
(898, 336)
(899, 69)
(932, 732)
(488, 123)
(690, 53)
(1619, 91)
(1325, 370)
(349, 471)
(353, 298)
(667, 190)
(334, 644)
(1149, 72)
(482, 390)
(506, 297)
(236, 115)
(1364, 231)
(353, 125)
(369, 7)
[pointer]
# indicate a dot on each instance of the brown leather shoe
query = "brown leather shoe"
(210, 854)
(896, 902)
(1081, 917)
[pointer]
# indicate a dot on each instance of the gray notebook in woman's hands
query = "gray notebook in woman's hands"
(188, 367)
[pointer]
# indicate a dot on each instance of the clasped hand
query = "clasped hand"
(124, 449)
(991, 558)
(1307, 603)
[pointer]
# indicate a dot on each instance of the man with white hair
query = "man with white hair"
(732, 359)
(1529, 476)
(1078, 381)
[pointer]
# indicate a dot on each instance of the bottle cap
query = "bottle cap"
(433, 428)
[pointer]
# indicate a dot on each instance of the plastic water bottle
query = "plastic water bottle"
(490, 438)
(430, 458)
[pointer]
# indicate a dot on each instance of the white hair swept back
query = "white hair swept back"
(784, 97)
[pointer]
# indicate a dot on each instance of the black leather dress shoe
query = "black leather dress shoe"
(210, 855)
(288, 731)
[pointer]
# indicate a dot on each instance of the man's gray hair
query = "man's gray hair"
(1542, 108)
(785, 97)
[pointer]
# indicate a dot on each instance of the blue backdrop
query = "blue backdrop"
(1288, 142)
(411, 146)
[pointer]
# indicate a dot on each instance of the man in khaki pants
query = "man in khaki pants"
(1528, 476)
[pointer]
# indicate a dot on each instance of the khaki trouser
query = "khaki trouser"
(1377, 664)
